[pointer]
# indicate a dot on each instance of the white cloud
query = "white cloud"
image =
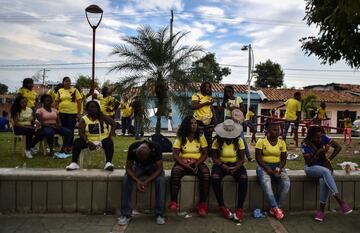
(210, 10)
(157, 5)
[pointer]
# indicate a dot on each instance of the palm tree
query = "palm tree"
(159, 63)
(308, 104)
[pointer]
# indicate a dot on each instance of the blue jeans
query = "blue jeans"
(68, 121)
(160, 189)
(125, 124)
(138, 126)
(326, 180)
(265, 182)
(247, 151)
(49, 132)
(287, 126)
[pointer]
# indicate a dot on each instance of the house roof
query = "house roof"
(329, 96)
(337, 86)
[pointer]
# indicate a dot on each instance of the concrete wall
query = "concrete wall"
(97, 191)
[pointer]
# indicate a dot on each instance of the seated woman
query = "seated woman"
(270, 154)
(50, 124)
(228, 157)
(317, 165)
(190, 151)
(94, 133)
(24, 124)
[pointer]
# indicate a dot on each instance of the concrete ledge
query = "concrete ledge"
(98, 191)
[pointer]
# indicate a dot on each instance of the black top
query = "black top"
(155, 154)
(137, 107)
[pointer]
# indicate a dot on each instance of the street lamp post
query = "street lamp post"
(251, 60)
(93, 11)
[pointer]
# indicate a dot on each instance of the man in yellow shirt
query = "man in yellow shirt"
(201, 103)
(28, 93)
(321, 114)
(126, 114)
(108, 103)
(292, 115)
(249, 120)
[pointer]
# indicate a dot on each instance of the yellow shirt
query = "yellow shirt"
(233, 103)
(52, 93)
(292, 106)
(321, 113)
(191, 150)
(126, 109)
(29, 95)
(347, 122)
(64, 97)
(271, 154)
(204, 112)
(26, 116)
(92, 131)
(249, 115)
(228, 153)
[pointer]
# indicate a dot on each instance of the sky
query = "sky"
(40, 32)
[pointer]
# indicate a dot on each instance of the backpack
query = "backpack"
(164, 143)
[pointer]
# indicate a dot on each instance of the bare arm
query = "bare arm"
(176, 154)
(204, 155)
(112, 123)
(283, 157)
(130, 172)
(259, 160)
(196, 105)
(156, 173)
(337, 149)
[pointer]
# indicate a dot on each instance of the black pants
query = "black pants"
(240, 176)
(29, 133)
(125, 124)
(79, 144)
(177, 173)
(207, 130)
(68, 121)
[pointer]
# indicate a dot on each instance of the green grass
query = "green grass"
(11, 159)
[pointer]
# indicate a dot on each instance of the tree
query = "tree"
(3, 88)
(207, 69)
(85, 82)
(158, 63)
(308, 105)
(269, 74)
(339, 32)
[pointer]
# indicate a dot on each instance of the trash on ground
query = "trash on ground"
(182, 213)
(58, 155)
(257, 213)
(188, 216)
(292, 156)
(238, 224)
(348, 166)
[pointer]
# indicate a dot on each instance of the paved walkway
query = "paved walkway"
(69, 223)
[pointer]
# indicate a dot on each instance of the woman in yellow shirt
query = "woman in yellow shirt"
(95, 131)
(28, 93)
(190, 152)
(228, 157)
(24, 124)
(69, 102)
(270, 154)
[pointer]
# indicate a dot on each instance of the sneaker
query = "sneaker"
(202, 209)
(345, 208)
(72, 166)
(174, 205)
(160, 220)
(277, 213)
(28, 154)
(225, 212)
(239, 215)
(319, 216)
(109, 166)
(124, 220)
(34, 150)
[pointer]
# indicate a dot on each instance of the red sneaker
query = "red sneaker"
(277, 213)
(225, 212)
(174, 205)
(239, 215)
(202, 209)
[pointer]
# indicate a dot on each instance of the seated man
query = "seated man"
(144, 164)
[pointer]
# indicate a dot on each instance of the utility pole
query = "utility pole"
(171, 24)
(43, 77)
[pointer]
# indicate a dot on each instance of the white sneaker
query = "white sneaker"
(109, 166)
(123, 220)
(28, 154)
(72, 166)
(34, 150)
(160, 220)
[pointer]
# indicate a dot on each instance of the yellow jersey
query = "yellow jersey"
(233, 103)
(228, 153)
(321, 113)
(126, 109)
(204, 113)
(25, 117)
(93, 131)
(292, 107)
(249, 115)
(191, 150)
(30, 95)
(270, 153)
(65, 99)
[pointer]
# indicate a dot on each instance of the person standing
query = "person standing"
(126, 114)
(144, 165)
(347, 126)
(27, 91)
(138, 109)
(69, 102)
(317, 165)
(108, 103)
(249, 119)
(270, 154)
